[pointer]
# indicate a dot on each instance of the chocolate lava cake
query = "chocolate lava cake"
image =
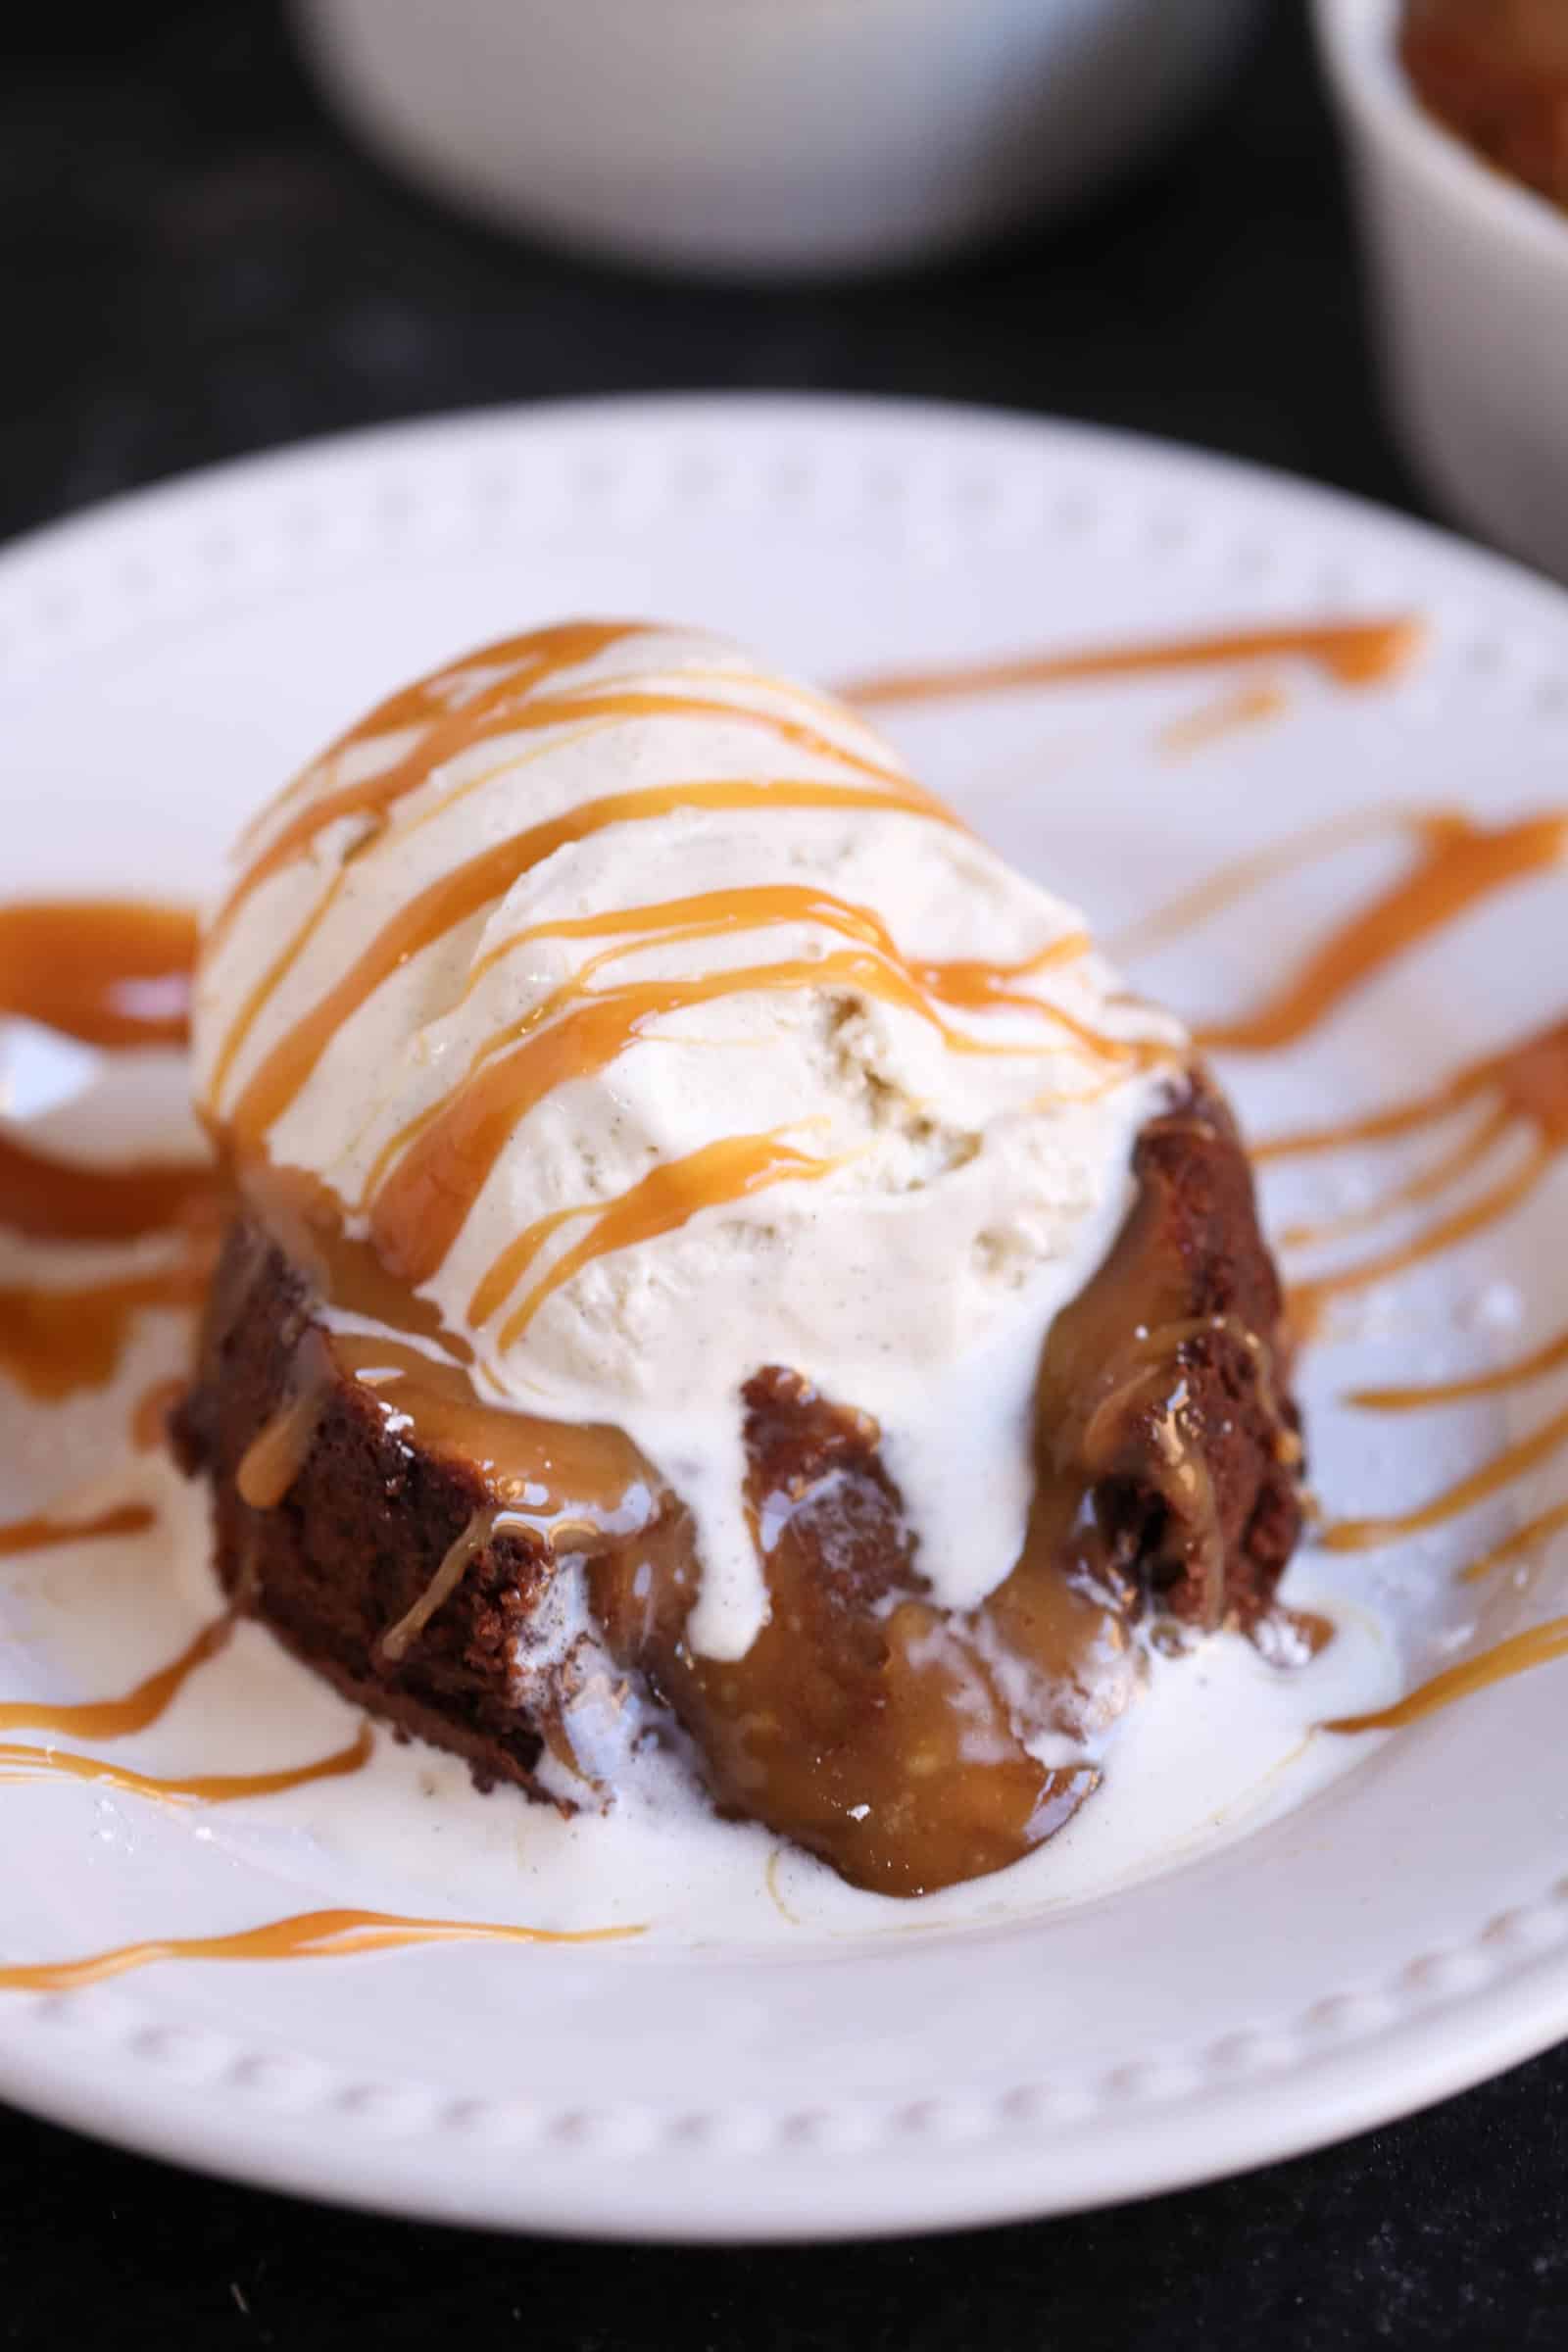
(1167, 1460)
(727, 1285)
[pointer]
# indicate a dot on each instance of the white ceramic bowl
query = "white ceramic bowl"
(764, 135)
(1470, 283)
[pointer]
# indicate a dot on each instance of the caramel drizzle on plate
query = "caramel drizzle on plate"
(1230, 713)
(1521, 1094)
(115, 974)
(1540, 1646)
(21, 1763)
(1463, 1390)
(112, 973)
(55, 1341)
(1513, 1462)
(54, 1200)
(334, 1934)
(51, 1532)
(1524, 1539)
(137, 1711)
(1516, 1097)
(1459, 863)
(1353, 653)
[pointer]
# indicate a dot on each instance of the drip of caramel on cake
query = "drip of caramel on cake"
(1353, 653)
(456, 1560)
(279, 1450)
(416, 1374)
(335, 1935)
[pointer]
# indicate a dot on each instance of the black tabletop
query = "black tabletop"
(196, 264)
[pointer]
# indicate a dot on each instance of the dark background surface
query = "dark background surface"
(195, 266)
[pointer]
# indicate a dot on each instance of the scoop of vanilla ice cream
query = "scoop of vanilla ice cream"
(940, 1173)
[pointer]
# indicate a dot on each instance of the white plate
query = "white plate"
(1316, 1952)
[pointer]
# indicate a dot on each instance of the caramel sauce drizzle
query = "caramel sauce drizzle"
(1535, 1366)
(137, 1711)
(440, 703)
(1444, 1171)
(52, 1199)
(1527, 1453)
(1244, 875)
(668, 1196)
(1353, 653)
(1459, 864)
(962, 984)
(428, 1175)
(453, 723)
(1247, 706)
(1530, 1079)
(1538, 1646)
(1512, 1548)
(1309, 1298)
(557, 1474)
(335, 1935)
(54, 1343)
(48, 1533)
(458, 1560)
(503, 712)
(279, 1452)
(113, 972)
(420, 1206)
(486, 877)
(1523, 1091)
(20, 1763)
